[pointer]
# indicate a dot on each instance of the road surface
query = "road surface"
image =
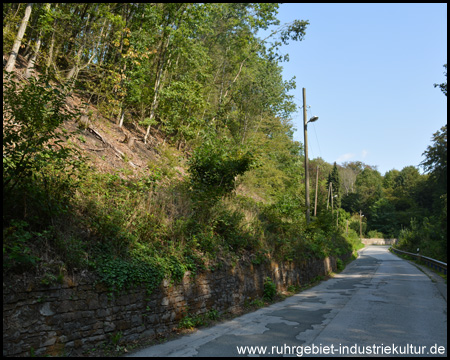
(380, 305)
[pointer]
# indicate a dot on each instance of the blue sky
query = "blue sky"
(368, 71)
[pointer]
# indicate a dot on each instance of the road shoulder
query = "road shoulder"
(435, 278)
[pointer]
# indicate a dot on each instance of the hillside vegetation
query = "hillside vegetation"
(141, 141)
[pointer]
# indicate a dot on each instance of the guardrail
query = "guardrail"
(433, 263)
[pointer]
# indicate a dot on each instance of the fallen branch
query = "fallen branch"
(119, 153)
(96, 133)
(95, 149)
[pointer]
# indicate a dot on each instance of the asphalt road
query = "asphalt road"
(380, 305)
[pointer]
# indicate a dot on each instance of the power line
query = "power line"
(317, 139)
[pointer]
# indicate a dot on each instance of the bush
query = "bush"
(32, 112)
(214, 167)
(16, 252)
(374, 234)
(339, 264)
(270, 289)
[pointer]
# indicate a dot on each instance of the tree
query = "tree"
(335, 180)
(214, 167)
(32, 115)
(15, 49)
(43, 29)
(443, 86)
(435, 161)
(369, 189)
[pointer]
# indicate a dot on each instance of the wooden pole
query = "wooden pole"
(306, 157)
(360, 224)
(317, 187)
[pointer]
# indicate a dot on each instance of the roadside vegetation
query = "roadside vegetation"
(208, 172)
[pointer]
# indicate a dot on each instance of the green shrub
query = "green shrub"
(270, 289)
(339, 264)
(32, 113)
(374, 234)
(214, 167)
(121, 274)
(190, 321)
(16, 250)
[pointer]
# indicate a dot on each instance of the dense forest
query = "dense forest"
(144, 140)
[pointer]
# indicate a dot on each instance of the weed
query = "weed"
(257, 303)
(116, 339)
(340, 264)
(270, 289)
(190, 321)
(212, 314)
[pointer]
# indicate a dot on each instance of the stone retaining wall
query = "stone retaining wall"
(74, 317)
(375, 241)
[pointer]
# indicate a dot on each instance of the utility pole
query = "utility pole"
(329, 193)
(317, 186)
(360, 224)
(306, 157)
(332, 198)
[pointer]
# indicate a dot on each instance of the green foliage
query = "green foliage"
(425, 235)
(374, 234)
(122, 274)
(190, 321)
(384, 219)
(116, 337)
(340, 264)
(443, 86)
(213, 314)
(436, 159)
(214, 167)
(270, 289)
(197, 75)
(33, 112)
(16, 250)
(369, 188)
(334, 179)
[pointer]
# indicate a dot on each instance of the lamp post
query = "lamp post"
(314, 118)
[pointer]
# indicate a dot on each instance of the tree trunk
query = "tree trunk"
(122, 116)
(15, 49)
(50, 52)
(32, 62)
(52, 46)
(157, 86)
(76, 66)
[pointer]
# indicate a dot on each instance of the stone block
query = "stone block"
(92, 302)
(108, 327)
(49, 341)
(123, 324)
(165, 301)
(136, 320)
(65, 306)
(101, 313)
(149, 333)
(46, 310)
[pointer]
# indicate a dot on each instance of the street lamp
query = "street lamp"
(314, 118)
